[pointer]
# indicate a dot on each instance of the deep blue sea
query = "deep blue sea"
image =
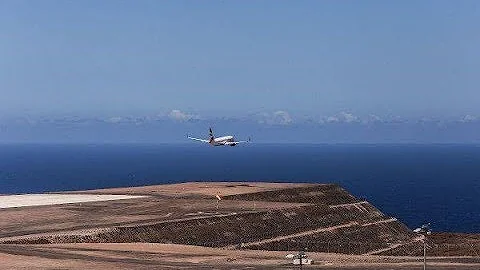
(415, 183)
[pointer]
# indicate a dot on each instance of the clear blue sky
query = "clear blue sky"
(319, 57)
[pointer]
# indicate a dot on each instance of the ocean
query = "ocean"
(414, 183)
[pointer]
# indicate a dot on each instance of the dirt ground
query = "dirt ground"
(187, 204)
(168, 256)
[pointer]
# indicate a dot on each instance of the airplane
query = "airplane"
(220, 141)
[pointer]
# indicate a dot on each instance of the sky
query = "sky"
(410, 58)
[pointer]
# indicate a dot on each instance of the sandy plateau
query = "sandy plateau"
(185, 226)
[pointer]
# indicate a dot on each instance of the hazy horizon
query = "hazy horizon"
(152, 70)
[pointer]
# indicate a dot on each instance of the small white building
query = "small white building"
(304, 261)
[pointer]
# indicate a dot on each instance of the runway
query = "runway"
(12, 201)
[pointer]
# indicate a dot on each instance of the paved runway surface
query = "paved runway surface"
(10, 201)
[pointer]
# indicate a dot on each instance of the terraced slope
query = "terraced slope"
(353, 227)
(323, 218)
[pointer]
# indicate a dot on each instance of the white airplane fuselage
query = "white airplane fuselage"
(221, 140)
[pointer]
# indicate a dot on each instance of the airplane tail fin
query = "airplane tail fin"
(212, 137)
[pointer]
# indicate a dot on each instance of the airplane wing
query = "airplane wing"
(197, 139)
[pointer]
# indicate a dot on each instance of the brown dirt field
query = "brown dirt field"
(168, 256)
(277, 215)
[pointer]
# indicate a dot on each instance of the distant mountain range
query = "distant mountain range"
(272, 127)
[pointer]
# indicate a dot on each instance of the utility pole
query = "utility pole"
(424, 231)
(301, 259)
(424, 252)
